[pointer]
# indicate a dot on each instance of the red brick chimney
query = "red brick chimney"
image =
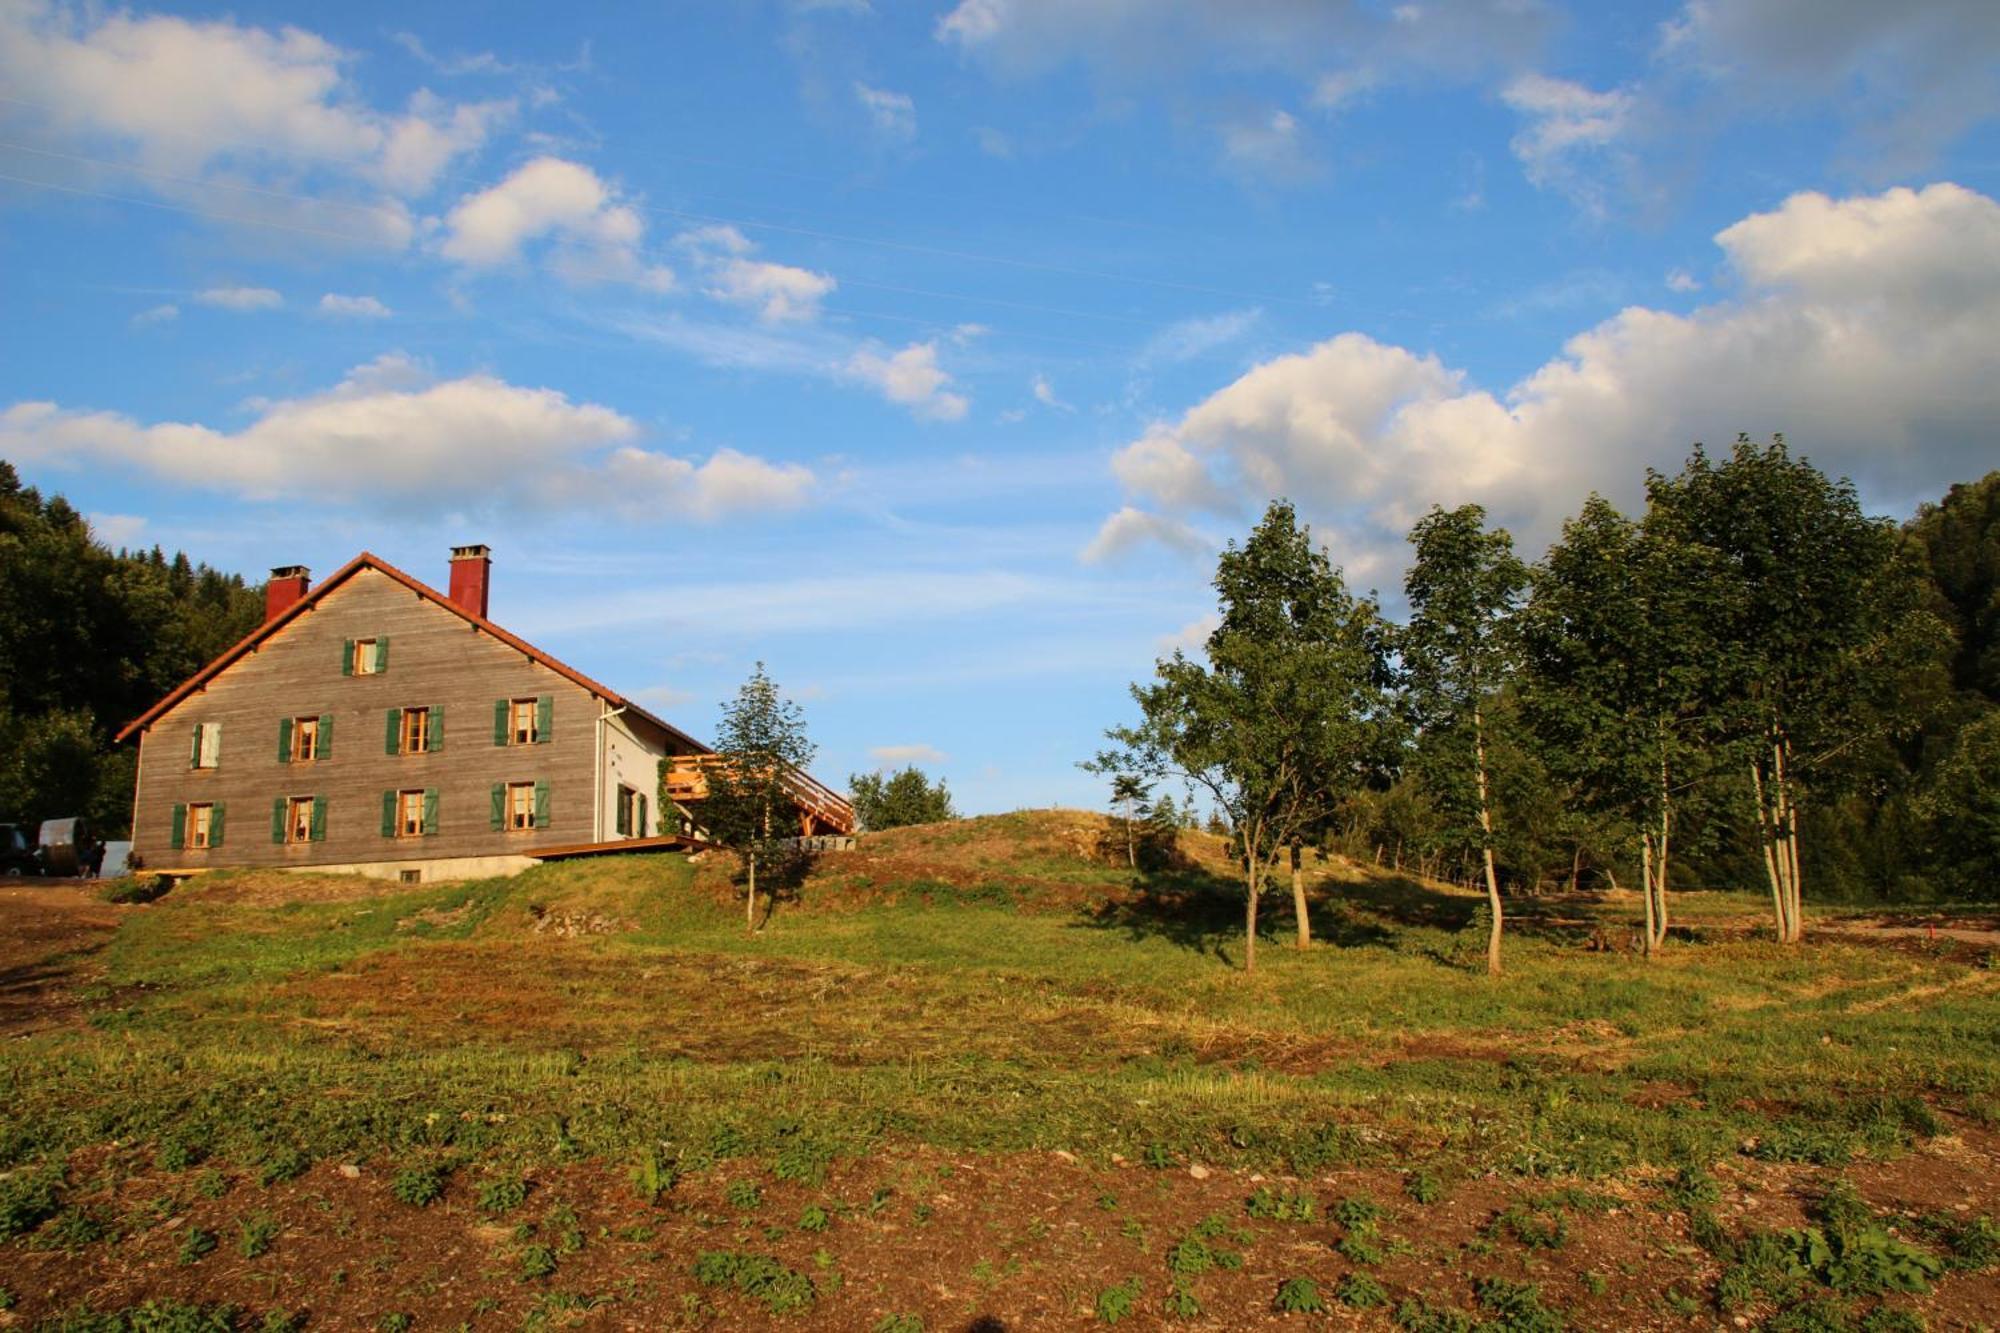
(286, 588)
(470, 566)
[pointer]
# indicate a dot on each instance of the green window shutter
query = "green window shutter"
(215, 824)
(326, 735)
(381, 654)
(178, 838)
(624, 827)
(541, 805)
(393, 741)
(194, 753)
(347, 657)
(284, 740)
(318, 833)
(545, 716)
(499, 819)
(645, 824)
(430, 811)
(499, 721)
(388, 814)
(437, 727)
(278, 819)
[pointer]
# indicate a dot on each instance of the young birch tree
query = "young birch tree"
(1458, 651)
(1805, 573)
(1621, 682)
(1289, 709)
(762, 745)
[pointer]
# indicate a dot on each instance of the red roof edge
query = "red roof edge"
(368, 560)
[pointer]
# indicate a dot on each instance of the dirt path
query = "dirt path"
(50, 931)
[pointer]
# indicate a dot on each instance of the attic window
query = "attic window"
(366, 657)
(207, 749)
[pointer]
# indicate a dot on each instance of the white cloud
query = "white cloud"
(1190, 638)
(1129, 529)
(593, 235)
(1680, 280)
(894, 115)
(390, 433)
(353, 307)
(1045, 394)
(1908, 78)
(117, 530)
(1334, 92)
(240, 299)
(777, 292)
(1570, 131)
(1867, 330)
(910, 377)
(1186, 339)
(218, 99)
(895, 756)
(159, 314)
(1268, 147)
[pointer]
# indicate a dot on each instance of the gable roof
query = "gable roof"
(366, 560)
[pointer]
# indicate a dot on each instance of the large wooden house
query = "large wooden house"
(375, 724)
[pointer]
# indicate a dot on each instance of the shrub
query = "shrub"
(196, 1245)
(653, 1174)
(1116, 1303)
(1517, 1306)
(535, 1261)
(1270, 1205)
(254, 1235)
(1358, 1291)
(179, 1153)
(502, 1196)
(27, 1199)
(419, 1186)
(760, 1276)
(281, 1165)
(1423, 1187)
(1298, 1295)
(1357, 1211)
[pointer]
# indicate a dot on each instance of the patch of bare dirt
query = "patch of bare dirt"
(964, 1242)
(50, 933)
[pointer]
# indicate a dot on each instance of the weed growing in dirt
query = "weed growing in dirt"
(211, 1184)
(1357, 1211)
(254, 1235)
(760, 1276)
(1423, 1187)
(1534, 1224)
(179, 1152)
(1972, 1245)
(744, 1196)
(502, 1196)
(154, 1316)
(1298, 1295)
(1197, 1253)
(1358, 1291)
(534, 1261)
(281, 1165)
(1119, 1302)
(197, 1244)
(814, 1218)
(27, 1199)
(418, 1186)
(395, 1322)
(653, 1173)
(72, 1230)
(1516, 1307)
(1417, 1315)
(899, 1323)
(1270, 1205)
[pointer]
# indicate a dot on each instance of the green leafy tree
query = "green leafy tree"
(900, 799)
(761, 748)
(1458, 652)
(1288, 712)
(1128, 797)
(1621, 685)
(1803, 573)
(1963, 809)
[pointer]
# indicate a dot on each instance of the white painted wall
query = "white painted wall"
(632, 761)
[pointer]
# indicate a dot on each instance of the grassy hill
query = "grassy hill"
(982, 1069)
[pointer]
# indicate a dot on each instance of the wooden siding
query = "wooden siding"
(436, 659)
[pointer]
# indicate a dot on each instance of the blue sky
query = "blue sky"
(928, 351)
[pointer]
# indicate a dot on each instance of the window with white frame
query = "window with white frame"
(520, 805)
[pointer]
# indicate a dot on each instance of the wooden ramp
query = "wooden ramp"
(670, 842)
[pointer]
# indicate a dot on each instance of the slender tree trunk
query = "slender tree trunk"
(1486, 847)
(1646, 873)
(1576, 868)
(1789, 812)
(1250, 914)
(1131, 845)
(1299, 899)
(750, 902)
(1780, 845)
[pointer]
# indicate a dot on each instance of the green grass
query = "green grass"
(261, 1038)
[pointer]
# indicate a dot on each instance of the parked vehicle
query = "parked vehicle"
(18, 851)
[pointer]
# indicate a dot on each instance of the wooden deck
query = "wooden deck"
(821, 809)
(669, 842)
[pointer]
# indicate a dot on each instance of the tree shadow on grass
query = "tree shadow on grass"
(1203, 912)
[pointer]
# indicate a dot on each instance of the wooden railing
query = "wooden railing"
(819, 805)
